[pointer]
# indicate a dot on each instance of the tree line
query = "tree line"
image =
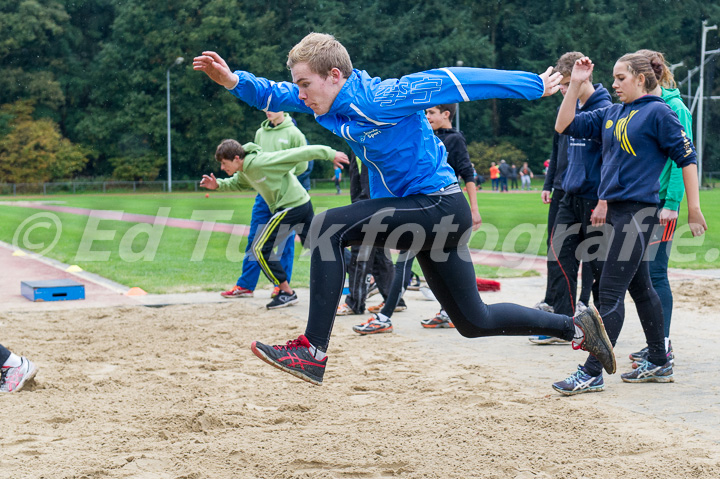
(83, 83)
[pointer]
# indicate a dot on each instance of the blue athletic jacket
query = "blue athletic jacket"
(637, 139)
(582, 176)
(384, 123)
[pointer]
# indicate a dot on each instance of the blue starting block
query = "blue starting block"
(52, 290)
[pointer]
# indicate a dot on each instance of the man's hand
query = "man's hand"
(697, 223)
(666, 216)
(216, 68)
(551, 81)
(546, 196)
(599, 213)
(340, 159)
(209, 182)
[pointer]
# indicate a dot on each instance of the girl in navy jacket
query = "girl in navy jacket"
(638, 135)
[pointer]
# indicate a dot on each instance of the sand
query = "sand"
(174, 392)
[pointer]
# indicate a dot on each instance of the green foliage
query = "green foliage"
(137, 168)
(481, 155)
(34, 150)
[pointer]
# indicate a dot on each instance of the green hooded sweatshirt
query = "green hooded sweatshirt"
(282, 137)
(672, 187)
(271, 174)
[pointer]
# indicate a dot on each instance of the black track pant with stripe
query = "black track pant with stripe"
(436, 229)
(274, 233)
(574, 239)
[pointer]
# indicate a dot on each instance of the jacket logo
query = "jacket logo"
(621, 133)
(370, 134)
(419, 91)
(608, 124)
(283, 140)
(260, 180)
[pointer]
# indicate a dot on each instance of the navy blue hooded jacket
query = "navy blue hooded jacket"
(582, 176)
(637, 139)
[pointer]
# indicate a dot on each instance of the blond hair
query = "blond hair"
(322, 52)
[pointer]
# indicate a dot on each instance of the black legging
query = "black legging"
(416, 223)
(626, 270)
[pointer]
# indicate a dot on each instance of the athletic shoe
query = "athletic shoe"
(275, 291)
(594, 339)
(12, 380)
(294, 358)
(237, 292)
(373, 326)
(372, 289)
(344, 310)
(648, 372)
(580, 307)
(282, 300)
(580, 382)
(376, 309)
(441, 320)
(642, 355)
(547, 340)
(543, 306)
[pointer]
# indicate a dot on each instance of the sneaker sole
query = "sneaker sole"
(28, 377)
(389, 329)
(284, 305)
(438, 326)
(545, 342)
(258, 352)
(602, 335)
(595, 389)
(234, 296)
(655, 379)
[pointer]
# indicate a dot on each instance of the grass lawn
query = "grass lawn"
(124, 253)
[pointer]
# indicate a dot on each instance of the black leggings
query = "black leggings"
(437, 229)
(627, 270)
(400, 282)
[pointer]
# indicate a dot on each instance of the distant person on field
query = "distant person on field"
(337, 177)
(494, 176)
(278, 132)
(273, 176)
(513, 177)
(525, 176)
(505, 172)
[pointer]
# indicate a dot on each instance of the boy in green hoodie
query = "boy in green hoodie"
(272, 175)
(278, 132)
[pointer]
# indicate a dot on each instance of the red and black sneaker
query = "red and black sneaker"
(294, 358)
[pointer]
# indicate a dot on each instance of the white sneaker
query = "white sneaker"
(13, 379)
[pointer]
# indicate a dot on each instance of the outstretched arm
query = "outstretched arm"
(551, 81)
(696, 220)
(215, 67)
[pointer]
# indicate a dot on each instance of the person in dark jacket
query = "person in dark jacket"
(505, 172)
(637, 135)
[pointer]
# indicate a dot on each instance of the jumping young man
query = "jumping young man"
(416, 202)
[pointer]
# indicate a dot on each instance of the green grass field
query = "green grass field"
(172, 262)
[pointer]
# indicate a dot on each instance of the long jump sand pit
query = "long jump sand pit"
(174, 392)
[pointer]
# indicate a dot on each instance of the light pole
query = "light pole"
(459, 63)
(701, 91)
(178, 61)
